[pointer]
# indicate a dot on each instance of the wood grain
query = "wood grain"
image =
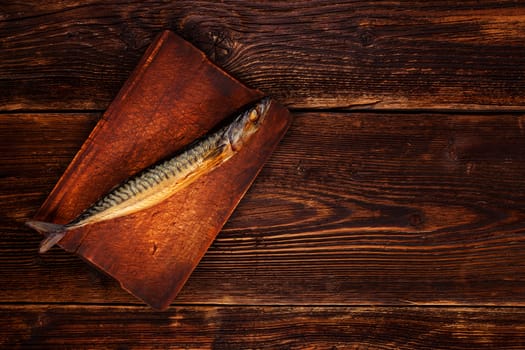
(173, 97)
(352, 209)
(66, 55)
(202, 327)
(386, 209)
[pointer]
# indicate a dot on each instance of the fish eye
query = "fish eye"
(254, 116)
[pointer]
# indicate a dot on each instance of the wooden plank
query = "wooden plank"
(380, 54)
(197, 327)
(351, 209)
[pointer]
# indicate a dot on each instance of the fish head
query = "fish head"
(247, 124)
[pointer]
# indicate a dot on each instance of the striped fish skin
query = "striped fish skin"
(154, 184)
(160, 181)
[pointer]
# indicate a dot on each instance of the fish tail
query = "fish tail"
(53, 232)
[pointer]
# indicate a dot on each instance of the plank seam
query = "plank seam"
(139, 305)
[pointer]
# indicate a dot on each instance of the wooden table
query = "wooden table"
(392, 215)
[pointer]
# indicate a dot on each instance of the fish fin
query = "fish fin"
(216, 152)
(50, 241)
(53, 232)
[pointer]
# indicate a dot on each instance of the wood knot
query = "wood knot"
(217, 44)
(222, 45)
(415, 220)
(366, 37)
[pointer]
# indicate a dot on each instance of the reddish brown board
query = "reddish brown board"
(174, 96)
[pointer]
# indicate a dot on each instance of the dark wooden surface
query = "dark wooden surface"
(397, 225)
(308, 54)
(261, 327)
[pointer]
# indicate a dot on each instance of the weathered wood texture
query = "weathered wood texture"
(381, 54)
(353, 209)
(174, 96)
(195, 327)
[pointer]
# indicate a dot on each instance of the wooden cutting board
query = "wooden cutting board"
(174, 96)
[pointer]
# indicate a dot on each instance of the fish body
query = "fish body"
(159, 182)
